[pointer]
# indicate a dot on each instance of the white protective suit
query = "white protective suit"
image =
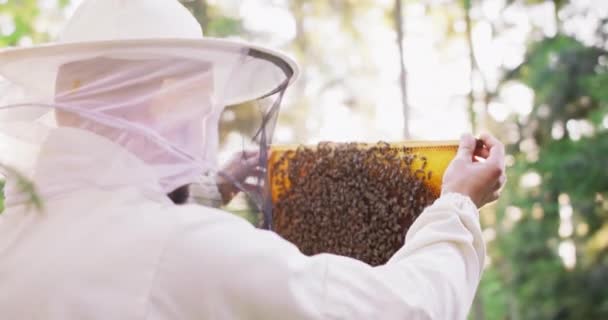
(116, 249)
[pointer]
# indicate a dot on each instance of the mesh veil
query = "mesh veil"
(160, 104)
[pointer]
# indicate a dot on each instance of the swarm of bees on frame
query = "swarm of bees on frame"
(348, 200)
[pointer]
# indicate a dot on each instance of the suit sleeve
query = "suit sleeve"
(220, 267)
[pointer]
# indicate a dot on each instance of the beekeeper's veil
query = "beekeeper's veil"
(137, 74)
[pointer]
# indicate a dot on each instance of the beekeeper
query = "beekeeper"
(126, 112)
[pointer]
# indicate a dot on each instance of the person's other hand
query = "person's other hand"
(478, 173)
(241, 166)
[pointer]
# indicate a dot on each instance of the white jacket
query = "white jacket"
(115, 248)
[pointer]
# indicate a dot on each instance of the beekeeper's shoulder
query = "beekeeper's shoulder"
(194, 215)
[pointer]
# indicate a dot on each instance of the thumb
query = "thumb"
(466, 149)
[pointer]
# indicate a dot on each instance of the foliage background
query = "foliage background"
(533, 72)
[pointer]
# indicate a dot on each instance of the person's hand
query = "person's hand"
(477, 172)
(241, 166)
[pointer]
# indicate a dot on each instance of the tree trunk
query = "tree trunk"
(200, 10)
(469, 35)
(403, 74)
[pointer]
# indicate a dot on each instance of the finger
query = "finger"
(478, 159)
(258, 173)
(496, 195)
(252, 187)
(247, 154)
(503, 180)
(491, 198)
(466, 148)
(482, 152)
(500, 182)
(250, 163)
(496, 148)
(251, 153)
(261, 170)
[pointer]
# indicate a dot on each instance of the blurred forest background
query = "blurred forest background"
(533, 72)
